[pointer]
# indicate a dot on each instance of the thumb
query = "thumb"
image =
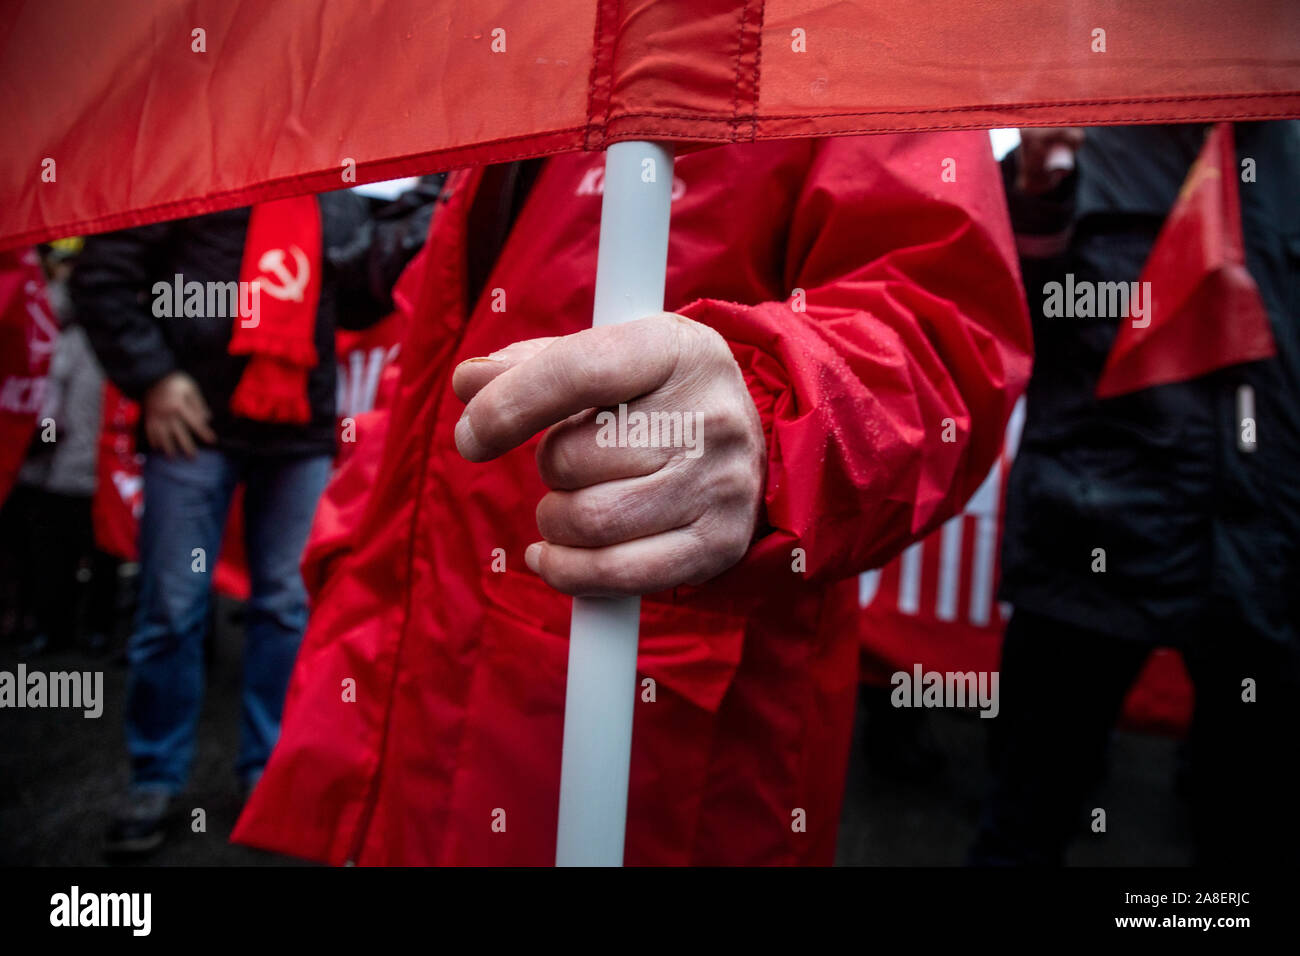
(473, 374)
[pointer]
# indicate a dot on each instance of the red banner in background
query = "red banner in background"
(28, 334)
(934, 605)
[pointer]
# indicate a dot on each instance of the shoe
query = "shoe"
(140, 824)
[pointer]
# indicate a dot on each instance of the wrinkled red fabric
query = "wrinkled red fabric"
(143, 118)
(342, 505)
(429, 690)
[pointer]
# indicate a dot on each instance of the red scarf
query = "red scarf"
(282, 257)
(1205, 311)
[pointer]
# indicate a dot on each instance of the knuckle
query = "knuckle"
(495, 420)
(547, 523)
(736, 550)
(704, 344)
(555, 463)
(559, 576)
(734, 486)
(703, 562)
(598, 519)
(560, 371)
(614, 571)
(604, 374)
(722, 540)
(569, 574)
(580, 520)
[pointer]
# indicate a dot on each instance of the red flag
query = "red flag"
(119, 482)
(119, 114)
(1203, 310)
(28, 333)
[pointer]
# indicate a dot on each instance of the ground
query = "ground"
(58, 777)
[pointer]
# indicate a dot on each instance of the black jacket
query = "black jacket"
(364, 250)
(1194, 530)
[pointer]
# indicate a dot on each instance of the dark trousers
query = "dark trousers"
(1061, 690)
(47, 538)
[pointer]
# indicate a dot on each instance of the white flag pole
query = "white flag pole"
(601, 688)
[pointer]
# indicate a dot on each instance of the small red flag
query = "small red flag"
(1203, 310)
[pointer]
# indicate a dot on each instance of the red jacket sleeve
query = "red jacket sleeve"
(885, 381)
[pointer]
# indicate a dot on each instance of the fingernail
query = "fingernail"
(533, 557)
(465, 440)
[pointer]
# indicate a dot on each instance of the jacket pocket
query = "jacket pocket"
(691, 654)
(508, 767)
(690, 648)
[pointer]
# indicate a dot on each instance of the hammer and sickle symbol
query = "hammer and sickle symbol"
(291, 285)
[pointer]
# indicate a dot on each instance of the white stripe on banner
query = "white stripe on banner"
(909, 579)
(945, 605)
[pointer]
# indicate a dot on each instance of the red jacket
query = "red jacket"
(883, 404)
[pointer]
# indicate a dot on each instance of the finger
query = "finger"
(643, 566)
(163, 438)
(184, 441)
(159, 438)
(574, 454)
(622, 510)
(472, 374)
(194, 399)
(193, 395)
(196, 415)
(600, 366)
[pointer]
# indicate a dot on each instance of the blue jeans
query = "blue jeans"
(185, 507)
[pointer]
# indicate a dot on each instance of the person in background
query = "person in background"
(222, 327)
(49, 533)
(1198, 531)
